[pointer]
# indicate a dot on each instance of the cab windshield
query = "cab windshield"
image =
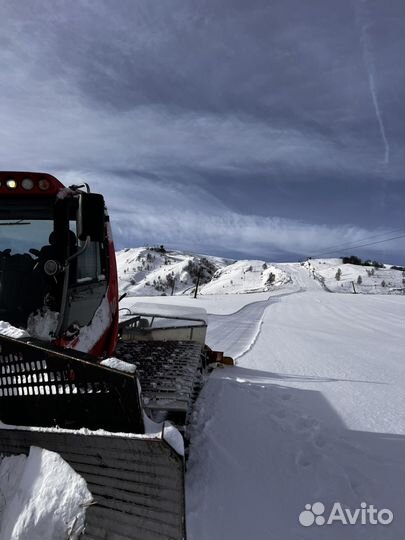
(26, 227)
(37, 238)
(24, 235)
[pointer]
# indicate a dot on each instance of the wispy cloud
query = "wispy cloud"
(363, 22)
(145, 212)
(44, 133)
(118, 88)
(169, 108)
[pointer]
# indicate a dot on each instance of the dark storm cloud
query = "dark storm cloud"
(291, 109)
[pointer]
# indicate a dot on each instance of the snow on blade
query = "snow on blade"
(44, 498)
(174, 438)
(116, 363)
(154, 431)
(6, 329)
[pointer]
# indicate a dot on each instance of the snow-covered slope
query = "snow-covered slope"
(156, 271)
(312, 413)
(347, 278)
(245, 277)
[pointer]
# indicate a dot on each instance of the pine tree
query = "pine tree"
(338, 274)
(359, 280)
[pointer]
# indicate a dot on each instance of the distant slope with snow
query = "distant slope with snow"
(245, 277)
(155, 271)
(347, 278)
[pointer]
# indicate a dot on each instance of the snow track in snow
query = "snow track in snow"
(235, 334)
(314, 411)
(260, 452)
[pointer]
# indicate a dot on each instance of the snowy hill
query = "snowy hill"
(245, 277)
(155, 271)
(345, 278)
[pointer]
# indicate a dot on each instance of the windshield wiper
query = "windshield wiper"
(20, 222)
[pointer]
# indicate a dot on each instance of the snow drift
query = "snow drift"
(43, 497)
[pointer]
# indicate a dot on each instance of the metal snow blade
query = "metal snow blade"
(137, 480)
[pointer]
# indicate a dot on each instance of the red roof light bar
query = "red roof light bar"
(28, 183)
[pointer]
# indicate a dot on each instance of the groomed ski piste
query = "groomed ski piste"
(314, 412)
(310, 422)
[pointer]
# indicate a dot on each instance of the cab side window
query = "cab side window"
(89, 264)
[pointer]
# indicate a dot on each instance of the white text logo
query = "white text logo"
(365, 515)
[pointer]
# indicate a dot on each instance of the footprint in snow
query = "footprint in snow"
(320, 441)
(303, 459)
(308, 455)
(306, 424)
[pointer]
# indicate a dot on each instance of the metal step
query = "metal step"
(168, 373)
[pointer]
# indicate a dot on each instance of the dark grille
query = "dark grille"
(42, 386)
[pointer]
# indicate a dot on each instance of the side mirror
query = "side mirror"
(91, 217)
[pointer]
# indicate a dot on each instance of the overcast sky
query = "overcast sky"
(262, 128)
